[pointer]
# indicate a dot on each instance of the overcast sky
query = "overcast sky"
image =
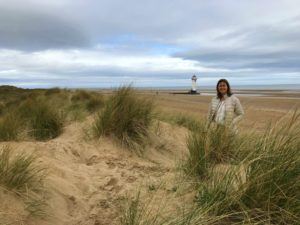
(106, 43)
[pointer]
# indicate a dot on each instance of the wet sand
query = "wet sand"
(260, 106)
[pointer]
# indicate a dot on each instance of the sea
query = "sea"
(283, 87)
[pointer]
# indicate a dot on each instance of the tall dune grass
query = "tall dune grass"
(160, 210)
(19, 172)
(92, 101)
(260, 184)
(2, 108)
(45, 122)
(81, 95)
(183, 120)
(126, 117)
(208, 147)
(39, 113)
(133, 212)
(23, 177)
(52, 91)
(10, 126)
(271, 192)
(197, 162)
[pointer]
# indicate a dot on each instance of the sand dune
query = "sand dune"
(86, 179)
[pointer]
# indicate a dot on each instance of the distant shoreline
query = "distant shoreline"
(287, 88)
(278, 87)
(237, 87)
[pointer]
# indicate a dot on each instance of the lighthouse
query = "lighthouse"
(194, 84)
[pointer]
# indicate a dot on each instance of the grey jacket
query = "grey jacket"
(233, 111)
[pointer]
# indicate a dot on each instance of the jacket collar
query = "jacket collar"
(225, 97)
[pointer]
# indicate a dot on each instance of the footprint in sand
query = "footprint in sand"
(111, 184)
(112, 181)
(111, 165)
(131, 179)
(75, 152)
(92, 160)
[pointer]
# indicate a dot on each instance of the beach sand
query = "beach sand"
(87, 179)
(266, 106)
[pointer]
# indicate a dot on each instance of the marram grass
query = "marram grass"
(271, 191)
(44, 121)
(10, 126)
(19, 171)
(22, 176)
(209, 146)
(260, 185)
(91, 101)
(125, 116)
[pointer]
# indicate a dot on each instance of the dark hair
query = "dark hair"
(229, 93)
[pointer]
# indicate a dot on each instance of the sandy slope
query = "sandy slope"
(87, 179)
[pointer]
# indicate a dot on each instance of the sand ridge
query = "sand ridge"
(87, 178)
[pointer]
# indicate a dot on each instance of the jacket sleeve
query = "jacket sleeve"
(238, 110)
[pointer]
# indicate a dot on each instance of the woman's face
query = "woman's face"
(222, 87)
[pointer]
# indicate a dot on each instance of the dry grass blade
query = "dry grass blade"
(271, 190)
(45, 122)
(19, 172)
(126, 117)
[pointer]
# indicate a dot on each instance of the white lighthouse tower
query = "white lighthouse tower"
(194, 84)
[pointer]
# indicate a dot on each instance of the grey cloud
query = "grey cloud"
(243, 59)
(160, 21)
(274, 47)
(169, 21)
(233, 35)
(33, 30)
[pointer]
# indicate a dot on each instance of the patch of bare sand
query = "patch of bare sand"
(87, 179)
(12, 210)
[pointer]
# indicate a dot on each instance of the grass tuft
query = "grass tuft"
(270, 193)
(249, 179)
(183, 120)
(208, 147)
(126, 117)
(52, 91)
(81, 95)
(197, 162)
(132, 213)
(45, 122)
(10, 125)
(19, 172)
(95, 103)
(91, 101)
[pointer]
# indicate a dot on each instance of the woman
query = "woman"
(225, 109)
